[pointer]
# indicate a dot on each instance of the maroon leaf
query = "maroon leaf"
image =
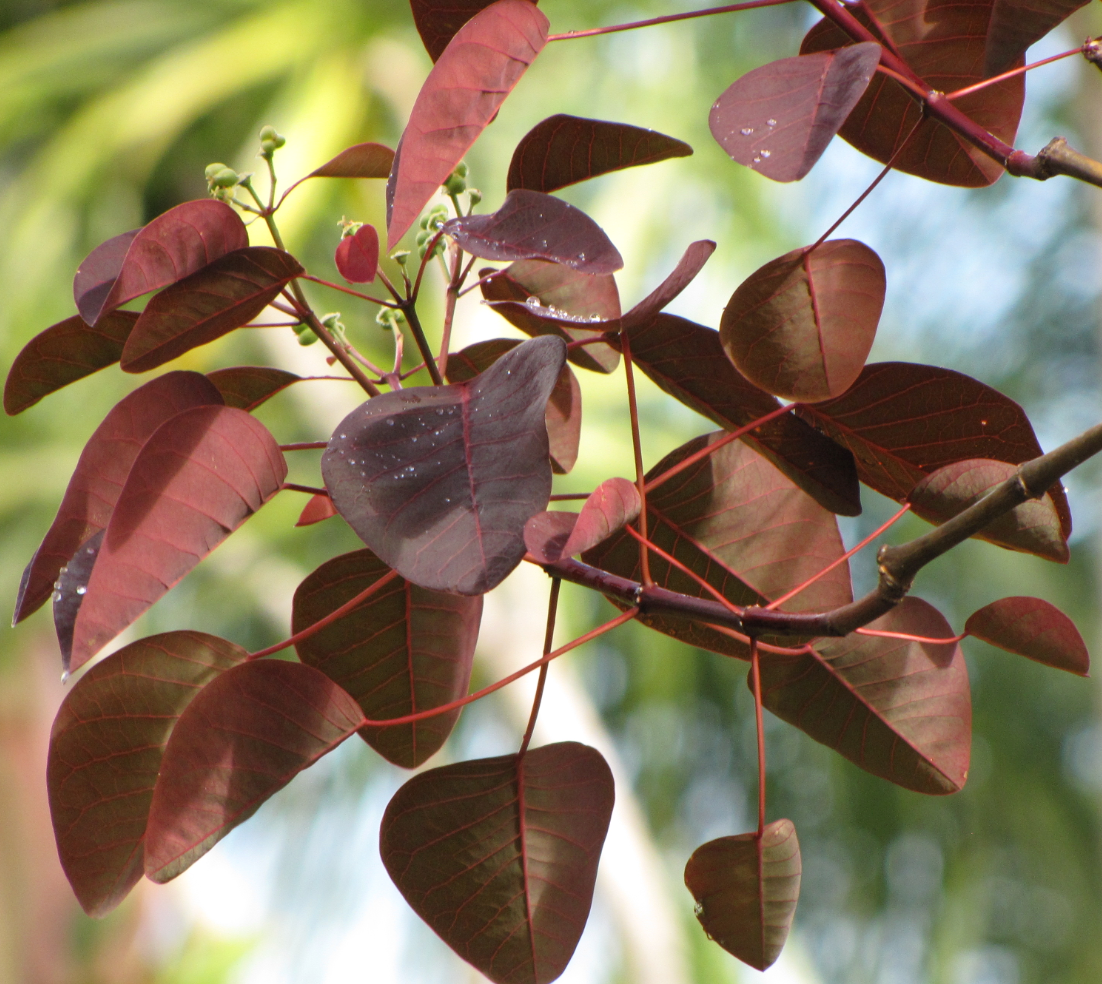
(1016, 24)
(405, 649)
(533, 226)
(499, 856)
(247, 387)
(564, 407)
(319, 508)
(196, 480)
(244, 737)
(563, 150)
(357, 255)
(684, 274)
(173, 246)
(69, 590)
(686, 360)
(438, 20)
(1034, 527)
(97, 274)
(899, 709)
(546, 533)
(1032, 628)
(439, 481)
(212, 302)
(778, 119)
(105, 751)
(611, 506)
(802, 326)
(100, 473)
(464, 90)
(746, 890)
(62, 354)
(366, 160)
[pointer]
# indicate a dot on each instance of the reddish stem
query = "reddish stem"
(548, 638)
(308, 489)
(347, 290)
(967, 90)
(755, 676)
(909, 637)
(480, 282)
(304, 446)
(563, 497)
(637, 447)
(764, 646)
(669, 18)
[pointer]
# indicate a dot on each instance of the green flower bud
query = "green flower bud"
(212, 170)
(400, 256)
(307, 337)
(475, 195)
(268, 134)
(455, 185)
(424, 237)
(389, 318)
(226, 178)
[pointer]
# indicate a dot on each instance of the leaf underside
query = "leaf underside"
(1032, 628)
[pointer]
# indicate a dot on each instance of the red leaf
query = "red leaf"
(1034, 527)
(318, 509)
(357, 255)
(546, 533)
(244, 737)
(62, 354)
(405, 649)
(97, 274)
(563, 150)
(105, 751)
(683, 274)
(100, 473)
(438, 20)
(173, 246)
(778, 119)
(1032, 628)
(746, 889)
(802, 326)
(533, 226)
(611, 506)
(563, 416)
(1016, 24)
(212, 302)
(247, 387)
(499, 856)
(899, 709)
(448, 512)
(69, 591)
(196, 480)
(365, 160)
(462, 94)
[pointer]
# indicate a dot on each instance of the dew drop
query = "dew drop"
(82, 590)
(757, 158)
(390, 423)
(766, 153)
(770, 122)
(64, 677)
(746, 131)
(56, 597)
(343, 436)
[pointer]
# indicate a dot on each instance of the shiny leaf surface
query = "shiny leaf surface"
(1032, 628)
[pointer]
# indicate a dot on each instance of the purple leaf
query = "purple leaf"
(611, 506)
(247, 387)
(97, 274)
(683, 274)
(1032, 628)
(365, 160)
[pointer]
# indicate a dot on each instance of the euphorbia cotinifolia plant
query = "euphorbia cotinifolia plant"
(729, 543)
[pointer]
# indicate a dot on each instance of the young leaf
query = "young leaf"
(690, 264)
(212, 302)
(62, 354)
(438, 20)
(243, 738)
(546, 533)
(899, 709)
(247, 387)
(778, 119)
(101, 472)
(365, 160)
(802, 326)
(439, 481)
(173, 246)
(405, 649)
(97, 274)
(196, 480)
(746, 890)
(357, 256)
(499, 856)
(1016, 24)
(552, 535)
(1032, 628)
(563, 150)
(530, 225)
(464, 91)
(318, 509)
(1034, 527)
(105, 751)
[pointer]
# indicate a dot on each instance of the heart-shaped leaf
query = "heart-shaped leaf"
(210, 303)
(317, 510)
(1016, 24)
(97, 274)
(802, 326)
(550, 536)
(105, 751)
(778, 119)
(465, 89)
(746, 888)
(531, 225)
(405, 649)
(365, 160)
(563, 150)
(439, 481)
(196, 480)
(1032, 628)
(1034, 527)
(899, 709)
(62, 354)
(242, 738)
(101, 472)
(438, 20)
(247, 387)
(357, 256)
(499, 856)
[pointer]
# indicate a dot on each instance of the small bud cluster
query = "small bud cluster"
(270, 142)
(431, 223)
(221, 181)
(390, 319)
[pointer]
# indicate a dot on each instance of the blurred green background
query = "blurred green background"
(109, 112)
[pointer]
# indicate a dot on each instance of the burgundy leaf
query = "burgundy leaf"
(533, 226)
(357, 255)
(69, 590)
(462, 94)
(546, 533)
(318, 509)
(62, 354)
(684, 274)
(210, 303)
(244, 737)
(105, 751)
(101, 472)
(611, 506)
(1034, 527)
(196, 480)
(439, 481)
(1016, 24)
(778, 119)
(746, 890)
(365, 160)
(438, 20)
(405, 649)
(499, 856)
(247, 387)
(1032, 628)
(563, 150)
(97, 274)
(899, 709)
(802, 326)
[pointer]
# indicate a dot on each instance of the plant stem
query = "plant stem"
(308, 489)
(348, 290)
(967, 90)
(455, 282)
(409, 309)
(637, 448)
(669, 18)
(304, 446)
(755, 678)
(548, 638)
